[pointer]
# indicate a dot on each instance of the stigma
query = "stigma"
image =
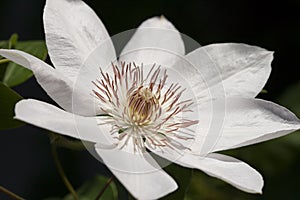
(143, 104)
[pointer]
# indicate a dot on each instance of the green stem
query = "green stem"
(62, 173)
(61, 141)
(104, 188)
(11, 194)
(2, 61)
(70, 144)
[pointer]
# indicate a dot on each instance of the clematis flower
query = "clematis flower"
(153, 98)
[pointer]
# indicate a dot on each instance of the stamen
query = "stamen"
(142, 110)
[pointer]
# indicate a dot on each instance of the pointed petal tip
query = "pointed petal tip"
(257, 191)
(254, 186)
(269, 53)
(162, 17)
(258, 187)
(156, 40)
(158, 22)
(254, 47)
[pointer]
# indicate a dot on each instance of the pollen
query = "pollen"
(142, 105)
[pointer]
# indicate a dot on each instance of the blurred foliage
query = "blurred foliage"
(16, 74)
(291, 98)
(8, 99)
(207, 188)
(182, 176)
(3, 45)
(12, 74)
(91, 189)
(65, 142)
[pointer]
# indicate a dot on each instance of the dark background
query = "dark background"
(26, 166)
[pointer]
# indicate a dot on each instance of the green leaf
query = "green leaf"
(90, 190)
(16, 74)
(6, 45)
(291, 99)
(3, 45)
(12, 42)
(182, 176)
(8, 99)
(2, 70)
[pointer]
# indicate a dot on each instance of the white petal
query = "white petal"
(73, 32)
(139, 173)
(49, 117)
(228, 69)
(57, 86)
(228, 169)
(156, 41)
(246, 121)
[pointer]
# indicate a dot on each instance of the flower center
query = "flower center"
(142, 105)
(143, 109)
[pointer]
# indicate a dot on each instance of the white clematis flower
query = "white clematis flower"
(142, 104)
